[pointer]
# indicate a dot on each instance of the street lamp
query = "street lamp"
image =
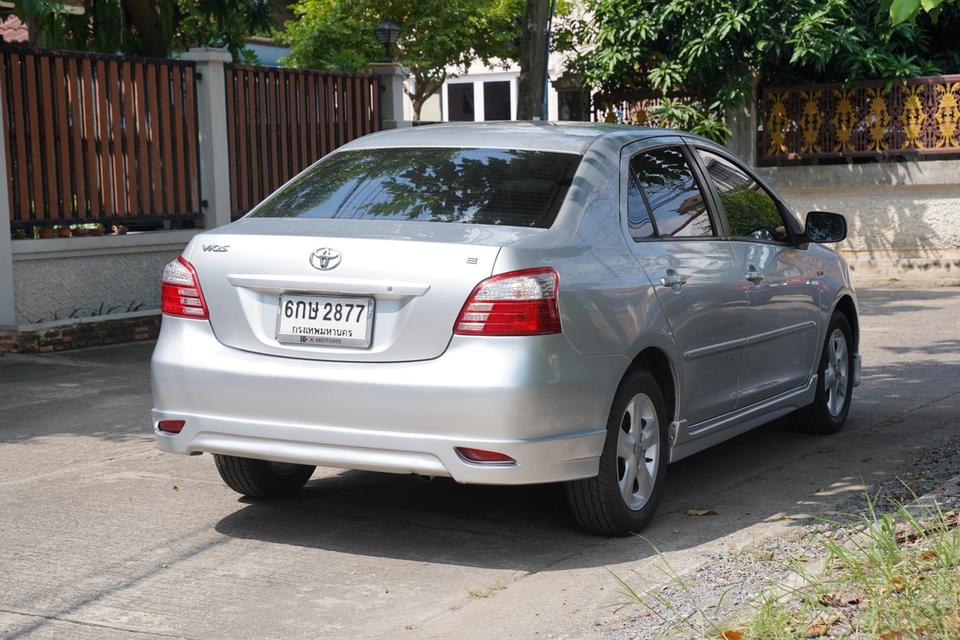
(387, 34)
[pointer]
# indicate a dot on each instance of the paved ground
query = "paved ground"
(101, 536)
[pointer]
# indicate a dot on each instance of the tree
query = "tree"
(716, 51)
(533, 59)
(147, 27)
(437, 35)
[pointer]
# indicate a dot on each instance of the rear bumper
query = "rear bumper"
(532, 398)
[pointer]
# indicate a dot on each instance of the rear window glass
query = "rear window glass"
(480, 186)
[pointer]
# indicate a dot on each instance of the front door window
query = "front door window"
(750, 210)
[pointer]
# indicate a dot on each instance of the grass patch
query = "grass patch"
(896, 577)
(889, 576)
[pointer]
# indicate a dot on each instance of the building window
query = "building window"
(496, 100)
(573, 102)
(460, 97)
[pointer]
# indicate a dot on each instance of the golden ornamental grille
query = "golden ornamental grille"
(916, 117)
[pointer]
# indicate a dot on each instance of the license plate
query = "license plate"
(325, 320)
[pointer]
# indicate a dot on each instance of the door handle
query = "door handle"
(752, 274)
(672, 279)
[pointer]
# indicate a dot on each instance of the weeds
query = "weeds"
(891, 575)
(897, 577)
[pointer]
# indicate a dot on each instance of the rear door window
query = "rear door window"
(674, 198)
(638, 215)
(479, 186)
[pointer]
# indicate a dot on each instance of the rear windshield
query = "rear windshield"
(479, 186)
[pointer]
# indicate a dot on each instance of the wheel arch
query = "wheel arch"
(846, 305)
(658, 363)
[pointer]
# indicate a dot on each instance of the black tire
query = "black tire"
(597, 503)
(261, 478)
(816, 417)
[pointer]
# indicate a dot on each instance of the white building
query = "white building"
(490, 93)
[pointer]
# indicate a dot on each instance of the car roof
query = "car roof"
(564, 137)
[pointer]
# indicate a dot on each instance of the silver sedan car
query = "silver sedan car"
(505, 303)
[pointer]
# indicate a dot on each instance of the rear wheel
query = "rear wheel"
(262, 478)
(830, 407)
(623, 496)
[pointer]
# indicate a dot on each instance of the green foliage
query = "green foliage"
(142, 27)
(717, 50)
(95, 30)
(437, 34)
(903, 10)
(223, 23)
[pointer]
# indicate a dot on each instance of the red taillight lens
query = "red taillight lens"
(171, 426)
(480, 455)
(518, 303)
(180, 293)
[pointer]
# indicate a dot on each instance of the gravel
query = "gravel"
(696, 604)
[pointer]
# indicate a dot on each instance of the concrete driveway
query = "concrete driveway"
(102, 536)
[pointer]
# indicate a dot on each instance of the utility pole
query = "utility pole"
(531, 85)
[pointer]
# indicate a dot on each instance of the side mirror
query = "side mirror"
(823, 226)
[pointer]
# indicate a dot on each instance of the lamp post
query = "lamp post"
(387, 34)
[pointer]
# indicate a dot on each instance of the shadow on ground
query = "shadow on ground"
(890, 302)
(529, 528)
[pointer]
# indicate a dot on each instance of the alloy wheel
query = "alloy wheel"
(638, 451)
(837, 372)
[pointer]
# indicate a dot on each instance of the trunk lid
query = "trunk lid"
(417, 274)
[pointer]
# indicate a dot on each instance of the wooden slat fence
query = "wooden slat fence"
(279, 121)
(868, 119)
(94, 138)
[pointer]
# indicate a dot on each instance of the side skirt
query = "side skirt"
(714, 431)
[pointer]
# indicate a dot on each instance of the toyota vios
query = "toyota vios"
(505, 303)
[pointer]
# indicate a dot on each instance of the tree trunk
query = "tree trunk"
(423, 88)
(144, 17)
(533, 60)
(417, 102)
(37, 36)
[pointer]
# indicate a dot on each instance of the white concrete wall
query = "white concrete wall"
(903, 217)
(431, 110)
(61, 278)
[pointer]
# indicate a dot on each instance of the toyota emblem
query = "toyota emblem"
(325, 258)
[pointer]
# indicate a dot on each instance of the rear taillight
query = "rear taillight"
(518, 303)
(180, 293)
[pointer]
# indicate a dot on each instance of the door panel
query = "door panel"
(782, 329)
(707, 315)
(781, 282)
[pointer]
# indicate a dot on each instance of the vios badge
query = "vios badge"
(325, 259)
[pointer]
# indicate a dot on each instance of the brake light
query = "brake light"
(180, 293)
(518, 303)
